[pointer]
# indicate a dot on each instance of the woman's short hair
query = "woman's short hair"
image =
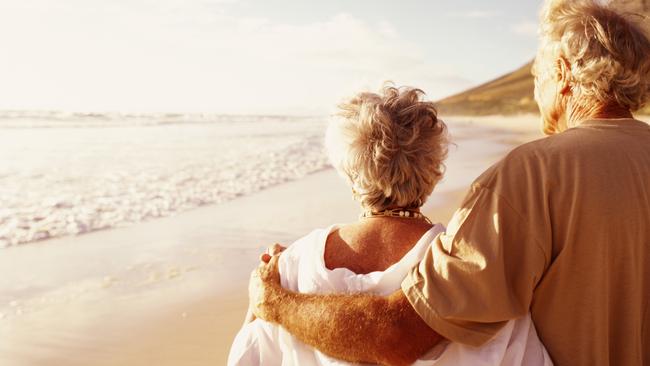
(390, 146)
(608, 52)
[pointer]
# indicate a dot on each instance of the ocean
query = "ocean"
(67, 174)
(73, 173)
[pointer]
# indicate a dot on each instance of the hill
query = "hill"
(513, 93)
(509, 94)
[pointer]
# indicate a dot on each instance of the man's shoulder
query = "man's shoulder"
(528, 163)
(556, 145)
(521, 157)
(541, 148)
(539, 152)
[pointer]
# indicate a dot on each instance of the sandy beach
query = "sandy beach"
(172, 291)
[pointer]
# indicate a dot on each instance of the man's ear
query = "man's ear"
(563, 73)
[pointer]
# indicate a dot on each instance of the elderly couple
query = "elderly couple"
(546, 262)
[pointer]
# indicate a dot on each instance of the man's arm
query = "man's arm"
(355, 328)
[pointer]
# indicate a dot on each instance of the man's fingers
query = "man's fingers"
(265, 258)
(269, 270)
(275, 249)
(278, 248)
(273, 262)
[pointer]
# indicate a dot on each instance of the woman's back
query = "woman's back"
(372, 245)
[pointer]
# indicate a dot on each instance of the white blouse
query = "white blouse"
(302, 269)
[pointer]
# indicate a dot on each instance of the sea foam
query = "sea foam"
(64, 174)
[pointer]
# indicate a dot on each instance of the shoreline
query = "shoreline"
(173, 290)
(94, 203)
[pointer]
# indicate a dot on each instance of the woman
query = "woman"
(390, 148)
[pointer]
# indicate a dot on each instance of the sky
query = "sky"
(250, 56)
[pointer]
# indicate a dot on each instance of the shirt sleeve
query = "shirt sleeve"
(480, 273)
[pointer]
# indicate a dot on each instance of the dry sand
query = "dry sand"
(173, 291)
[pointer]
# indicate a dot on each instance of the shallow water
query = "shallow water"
(72, 174)
(60, 178)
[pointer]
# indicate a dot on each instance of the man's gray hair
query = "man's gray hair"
(608, 52)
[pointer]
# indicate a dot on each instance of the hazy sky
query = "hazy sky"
(250, 56)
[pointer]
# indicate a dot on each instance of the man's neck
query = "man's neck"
(581, 114)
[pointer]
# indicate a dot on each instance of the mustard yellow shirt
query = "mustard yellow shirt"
(561, 228)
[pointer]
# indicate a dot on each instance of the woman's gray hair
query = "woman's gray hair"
(390, 146)
(608, 52)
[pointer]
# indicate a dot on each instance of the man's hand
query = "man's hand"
(265, 290)
(275, 249)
